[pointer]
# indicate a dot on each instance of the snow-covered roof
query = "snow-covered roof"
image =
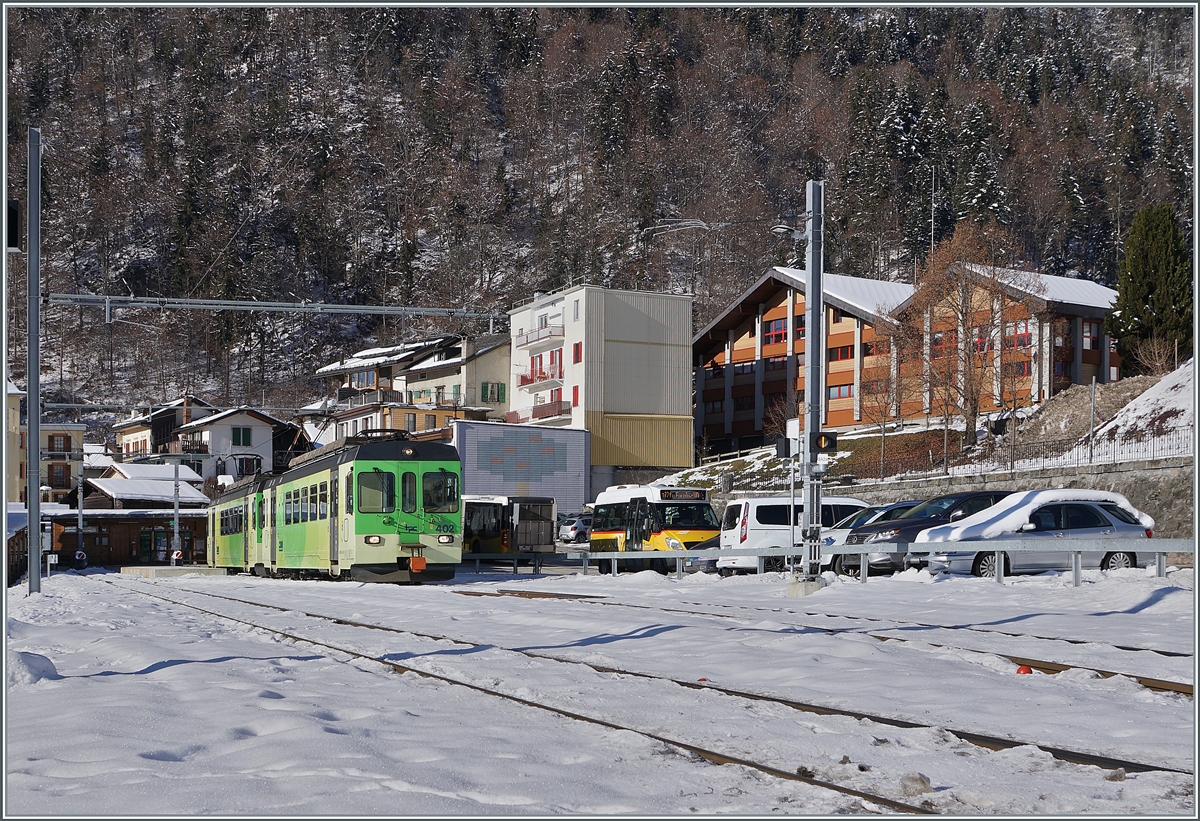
(159, 408)
(223, 415)
(13, 390)
(147, 490)
(1007, 515)
(1065, 290)
(141, 470)
(868, 296)
(374, 357)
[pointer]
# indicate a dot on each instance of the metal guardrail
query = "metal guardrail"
(1076, 547)
(515, 558)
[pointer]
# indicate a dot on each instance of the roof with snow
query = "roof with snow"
(376, 357)
(225, 415)
(142, 470)
(13, 390)
(147, 490)
(1061, 290)
(869, 299)
(144, 418)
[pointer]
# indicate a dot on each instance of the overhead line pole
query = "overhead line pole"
(33, 370)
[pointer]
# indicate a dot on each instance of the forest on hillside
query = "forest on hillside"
(466, 157)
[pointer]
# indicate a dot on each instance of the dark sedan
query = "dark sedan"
(938, 510)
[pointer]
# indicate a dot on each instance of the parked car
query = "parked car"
(939, 510)
(848, 565)
(575, 528)
(1040, 515)
(703, 564)
(762, 521)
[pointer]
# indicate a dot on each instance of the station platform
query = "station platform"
(163, 572)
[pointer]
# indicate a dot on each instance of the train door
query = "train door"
(333, 516)
(271, 527)
(245, 535)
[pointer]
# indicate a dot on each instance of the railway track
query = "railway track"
(802, 774)
(979, 739)
(1042, 666)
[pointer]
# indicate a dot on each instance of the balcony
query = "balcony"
(375, 397)
(546, 410)
(539, 337)
(541, 376)
(187, 446)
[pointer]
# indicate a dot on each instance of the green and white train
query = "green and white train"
(374, 507)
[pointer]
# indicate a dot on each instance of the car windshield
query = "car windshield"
(859, 517)
(934, 507)
(895, 513)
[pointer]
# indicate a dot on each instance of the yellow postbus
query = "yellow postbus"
(644, 518)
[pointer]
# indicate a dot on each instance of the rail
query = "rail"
(1076, 547)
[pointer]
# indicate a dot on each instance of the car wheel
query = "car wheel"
(581, 537)
(659, 566)
(724, 572)
(774, 564)
(1118, 561)
(984, 565)
(843, 568)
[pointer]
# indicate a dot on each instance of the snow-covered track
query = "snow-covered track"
(802, 774)
(1041, 665)
(990, 742)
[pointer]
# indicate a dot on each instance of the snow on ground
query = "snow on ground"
(121, 704)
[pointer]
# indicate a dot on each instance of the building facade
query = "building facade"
(892, 351)
(14, 445)
(613, 362)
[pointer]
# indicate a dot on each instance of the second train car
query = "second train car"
(375, 507)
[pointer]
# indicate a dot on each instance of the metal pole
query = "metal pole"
(175, 521)
(33, 444)
(814, 380)
(1092, 424)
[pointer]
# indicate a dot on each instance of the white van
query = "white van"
(762, 521)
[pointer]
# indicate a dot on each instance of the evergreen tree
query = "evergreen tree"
(1154, 286)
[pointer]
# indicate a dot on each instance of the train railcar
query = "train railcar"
(374, 507)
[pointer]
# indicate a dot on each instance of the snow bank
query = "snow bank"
(28, 668)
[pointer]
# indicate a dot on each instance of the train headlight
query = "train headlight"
(445, 539)
(373, 540)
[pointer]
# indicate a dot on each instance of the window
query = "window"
(716, 406)
(323, 501)
(247, 465)
(287, 508)
(556, 395)
(941, 343)
(575, 311)
(714, 370)
(1016, 369)
(574, 396)
(410, 422)
(59, 442)
(774, 330)
(60, 476)
(241, 437)
(1016, 334)
(577, 353)
(1081, 517)
(492, 392)
(1091, 335)
(408, 492)
(1060, 368)
(799, 321)
(376, 491)
(841, 391)
(875, 387)
(430, 421)
(362, 380)
(837, 315)
(981, 339)
(741, 403)
(543, 320)
(841, 352)
(304, 504)
(876, 347)
(740, 368)
(775, 363)
(439, 492)
(1114, 373)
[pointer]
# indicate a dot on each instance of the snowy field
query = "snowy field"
(124, 703)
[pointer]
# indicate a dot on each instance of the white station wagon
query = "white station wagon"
(1038, 515)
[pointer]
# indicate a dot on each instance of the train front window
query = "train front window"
(439, 492)
(376, 491)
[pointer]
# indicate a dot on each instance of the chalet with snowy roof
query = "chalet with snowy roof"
(155, 472)
(417, 386)
(136, 494)
(239, 442)
(150, 429)
(1033, 334)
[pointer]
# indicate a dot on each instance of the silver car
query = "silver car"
(575, 529)
(1039, 515)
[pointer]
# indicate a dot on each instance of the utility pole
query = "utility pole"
(814, 378)
(33, 444)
